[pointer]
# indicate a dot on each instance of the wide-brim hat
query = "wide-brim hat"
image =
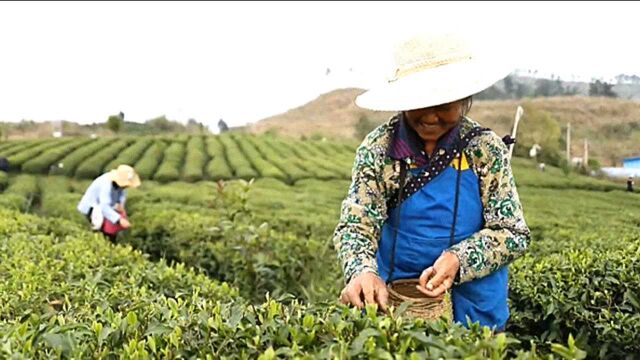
(125, 176)
(434, 69)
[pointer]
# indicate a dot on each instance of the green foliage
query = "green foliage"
(238, 162)
(169, 169)
(283, 162)
(147, 165)
(115, 123)
(264, 167)
(162, 125)
(195, 160)
(601, 88)
(218, 168)
(44, 162)
(58, 200)
(546, 87)
(22, 193)
(68, 164)
(4, 180)
(539, 127)
(364, 126)
(17, 159)
(93, 166)
(130, 155)
(18, 146)
(229, 244)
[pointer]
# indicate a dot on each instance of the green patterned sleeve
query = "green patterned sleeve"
(362, 214)
(505, 235)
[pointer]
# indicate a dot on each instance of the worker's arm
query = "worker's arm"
(363, 213)
(505, 235)
(104, 200)
(121, 200)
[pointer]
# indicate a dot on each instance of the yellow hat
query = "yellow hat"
(125, 176)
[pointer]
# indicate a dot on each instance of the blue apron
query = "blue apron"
(424, 233)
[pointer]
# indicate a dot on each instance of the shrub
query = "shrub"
(262, 165)
(16, 160)
(130, 155)
(93, 166)
(68, 164)
(195, 160)
(43, 162)
(171, 165)
(147, 165)
(218, 168)
(237, 160)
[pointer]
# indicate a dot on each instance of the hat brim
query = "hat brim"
(435, 86)
(123, 181)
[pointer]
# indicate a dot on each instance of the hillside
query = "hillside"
(612, 126)
(333, 114)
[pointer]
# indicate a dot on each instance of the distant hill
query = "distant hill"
(333, 115)
(611, 125)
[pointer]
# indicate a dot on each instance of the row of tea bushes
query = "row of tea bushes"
(68, 164)
(130, 155)
(171, 166)
(93, 166)
(43, 162)
(151, 159)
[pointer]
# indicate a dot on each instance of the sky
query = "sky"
(245, 61)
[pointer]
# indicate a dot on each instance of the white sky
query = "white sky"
(246, 61)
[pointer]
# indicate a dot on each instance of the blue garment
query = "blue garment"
(104, 195)
(424, 233)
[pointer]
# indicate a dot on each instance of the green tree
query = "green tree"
(115, 123)
(364, 126)
(539, 127)
(601, 88)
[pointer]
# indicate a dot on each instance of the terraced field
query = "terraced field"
(188, 158)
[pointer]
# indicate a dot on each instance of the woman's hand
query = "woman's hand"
(437, 279)
(368, 287)
(125, 223)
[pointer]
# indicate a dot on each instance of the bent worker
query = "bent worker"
(103, 202)
(432, 215)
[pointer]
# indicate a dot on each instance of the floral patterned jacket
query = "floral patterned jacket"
(504, 237)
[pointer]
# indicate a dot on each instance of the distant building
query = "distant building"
(631, 163)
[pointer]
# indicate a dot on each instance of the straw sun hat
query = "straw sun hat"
(125, 176)
(434, 69)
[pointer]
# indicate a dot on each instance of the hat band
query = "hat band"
(427, 64)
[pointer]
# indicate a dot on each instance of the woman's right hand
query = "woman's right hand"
(364, 289)
(125, 223)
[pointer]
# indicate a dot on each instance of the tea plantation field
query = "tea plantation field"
(246, 269)
(188, 158)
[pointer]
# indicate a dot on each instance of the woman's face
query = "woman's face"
(433, 122)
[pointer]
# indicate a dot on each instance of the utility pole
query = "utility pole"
(585, 158)
(569, 143)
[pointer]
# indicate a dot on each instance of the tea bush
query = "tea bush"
(195, 160)
(147, 165)
(42, 163)
(169, 169)
(70, 162)
(93, 166)
(130, 155)
(238, 162)
(218, 168)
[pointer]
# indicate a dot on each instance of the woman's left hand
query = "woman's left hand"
(437, 279)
